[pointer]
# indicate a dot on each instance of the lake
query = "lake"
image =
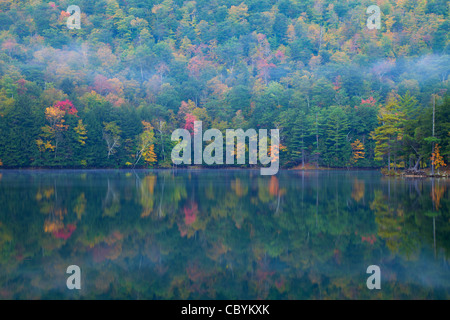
(222, 234)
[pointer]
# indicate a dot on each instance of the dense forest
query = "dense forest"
(111, 93)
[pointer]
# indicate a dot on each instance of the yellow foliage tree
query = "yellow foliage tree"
(42, 146)
(238, 14)
(53, 130)
(146, 144)
(150, 155)
(436, 158)
(291, 33)
(80, 129)
(358, 150)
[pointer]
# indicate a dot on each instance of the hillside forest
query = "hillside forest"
(109, 95)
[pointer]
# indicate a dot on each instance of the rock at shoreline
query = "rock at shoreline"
(412, 172)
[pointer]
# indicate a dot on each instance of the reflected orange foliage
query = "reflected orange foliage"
(151, 182)
(217, 250)
(194, 272)
(337, 256)
(51, 226)
(280, 284)
(103, 282)
(48, 193)
(60, 213)
(437, 192)
(147, 189)
(273, 186)
(358, 190)
(113, 237)
(104, 252)
(238, 189)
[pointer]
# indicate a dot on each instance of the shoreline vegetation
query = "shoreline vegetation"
(111, 94)
(411, 173)
(402, 173)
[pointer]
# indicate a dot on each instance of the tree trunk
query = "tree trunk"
(162, 141)
(303, 154)
(317, 139)
(389, 161)
(417, 165)
(434, 112)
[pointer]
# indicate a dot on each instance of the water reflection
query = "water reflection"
(222, 235)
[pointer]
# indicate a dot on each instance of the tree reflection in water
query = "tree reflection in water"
(229, 234)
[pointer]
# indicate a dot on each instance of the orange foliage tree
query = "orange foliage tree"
(436, 158)
(358, 150)
(146, 145)
(53, 130)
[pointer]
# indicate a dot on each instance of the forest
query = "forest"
(109, 95)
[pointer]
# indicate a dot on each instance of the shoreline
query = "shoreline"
(397, 174)
(419, 174)
(196, 167)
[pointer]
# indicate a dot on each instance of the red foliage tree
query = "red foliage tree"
(189, 124)
(21, 86)
(371, 101)
(66, 106)
(102, 85)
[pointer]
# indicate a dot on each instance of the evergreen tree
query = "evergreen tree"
(390, 132)
(338, 146)
(299, 134)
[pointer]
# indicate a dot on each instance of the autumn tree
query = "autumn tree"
(390, 131)
(53, 131)
(146, 145)
(357, 150)
(111, 134)
(81, 132)
(436, 158)
(263, 57)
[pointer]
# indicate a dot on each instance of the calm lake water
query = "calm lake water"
(222, 234)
